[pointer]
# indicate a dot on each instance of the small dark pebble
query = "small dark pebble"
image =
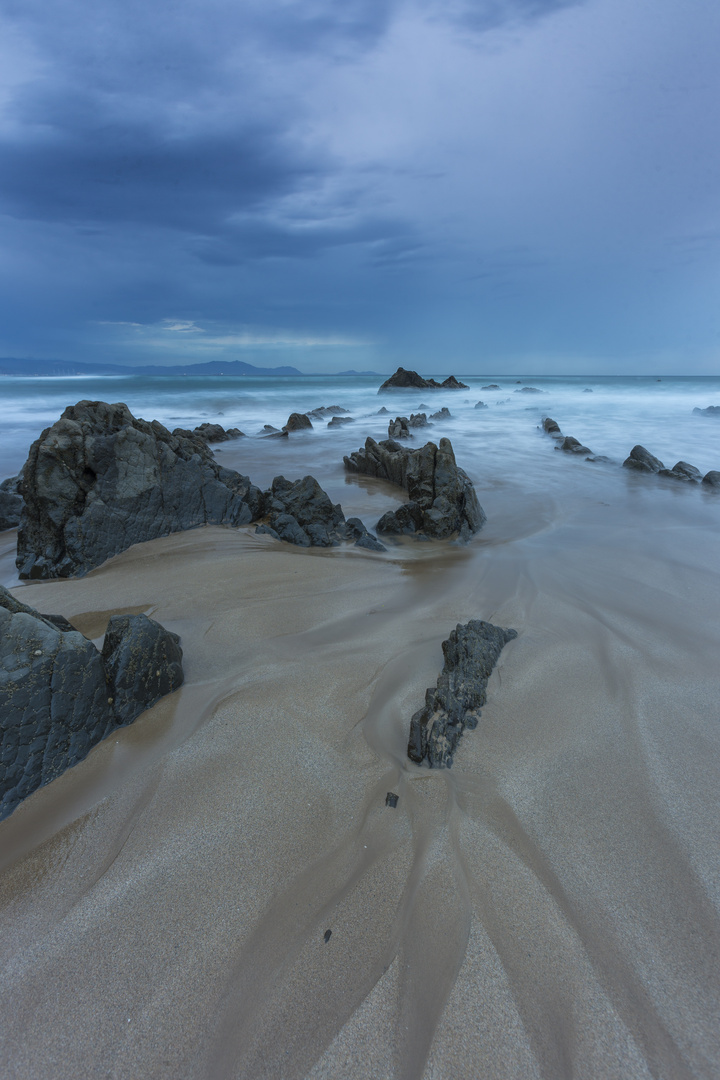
(391, 799)
(327, 935)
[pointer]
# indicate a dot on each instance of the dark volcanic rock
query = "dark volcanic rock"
(11, 502)
(418, 420)
(551, 426)
(471, 653)
(682, 471)
(712, 410)
(441, 414)
(58, 698)
(340, 421)
(214, 433)
(481, 405)
(573, 446)
(410, 380)
(712, 479)
(275, 434)
(297, 421)
(442, 497)
(364, 539)
(143, 662)
(642, 460)
(99, 480)
(301, 513)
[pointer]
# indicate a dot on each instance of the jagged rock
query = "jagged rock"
(573, 446)
(340, 421)
(454, 704)
(712, 410)
(682, 471)
(551, 426)
(297, 421)
(642, 460)
(268, 429)
(441, 414)
(712, 479)
(382, 411)
(491, 386)
(58, 697)
(11, 502)
(410, 380)
(399, 428)
(100, 480)
(275, 434)
(301, 513)
(442, 497)
(481, 405)
(418, 420)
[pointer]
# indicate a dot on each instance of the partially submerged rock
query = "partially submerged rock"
(399, 428)
(100, 480)
(711, 410)
(441, 414)
(481, 405)
(301, 513)
(551, 426)
(327, 410)
(681, 470)
(712, 479)
(340, 421)
(442, 498)
(11, 502)
(642, 460)
(410, 380)
(491, 386)
(59, 696)
(573, 446)
(297, 422)
(470, 653)
(529, 390)
(418, 420)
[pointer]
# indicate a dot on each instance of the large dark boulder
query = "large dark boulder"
(410, 380)
(59, 696)
(712, 479)
(11, 502)
(642, 460)
(100, 480)
(571, 445)
(442, 498)
(297, 422)
(454, 704)
(551, 426)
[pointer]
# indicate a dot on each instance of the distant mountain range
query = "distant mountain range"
(11, 366)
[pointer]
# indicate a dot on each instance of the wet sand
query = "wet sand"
(547, 908)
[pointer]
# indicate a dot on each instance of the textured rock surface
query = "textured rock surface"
(642, 460)
(712, 479)
(471, 653)
(441, 414)
(573, 446)
(442, 497)
(58, 697)
(340, 421)
(410, 380)
(11, 502)
(99, 480)
(551, 426)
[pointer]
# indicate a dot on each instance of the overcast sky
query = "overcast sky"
(453, 185)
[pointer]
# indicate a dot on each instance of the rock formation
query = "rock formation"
(59, 696)
(441, 414)
(340, 421)
(642, 460)
(711, 410)
(712, 479)
(399, 428)
(572, 445)
(302, 513)
(681, 470)
(99, 480)
(11, 502)
(410, 380)
(442, 497)
(551, 426)
(297, 421)
(454, 704)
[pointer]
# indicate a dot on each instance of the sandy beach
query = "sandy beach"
(547, 908)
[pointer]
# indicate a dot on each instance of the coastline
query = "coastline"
(546, 907)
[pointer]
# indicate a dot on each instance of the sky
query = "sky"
(527, 186)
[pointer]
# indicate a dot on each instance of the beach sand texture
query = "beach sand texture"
(547, 908)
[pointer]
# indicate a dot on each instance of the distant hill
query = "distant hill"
(11, 366)
(376, 374)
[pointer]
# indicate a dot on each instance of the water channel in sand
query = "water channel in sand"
(547, 908)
